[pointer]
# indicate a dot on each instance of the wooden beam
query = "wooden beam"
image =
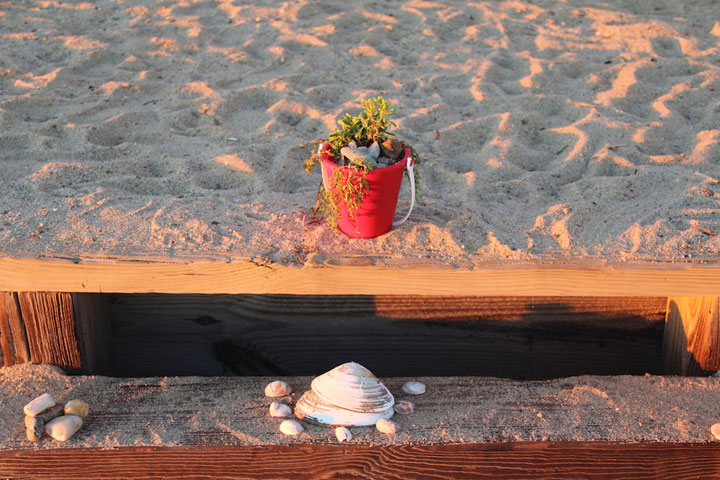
(588, 427)
(691, 344)
(13, 340)
(366, 276)
(50, 325)
(513, 337)
(511, 461)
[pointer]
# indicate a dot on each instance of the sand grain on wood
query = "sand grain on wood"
(171, 411)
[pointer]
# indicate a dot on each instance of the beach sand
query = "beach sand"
(549, 129)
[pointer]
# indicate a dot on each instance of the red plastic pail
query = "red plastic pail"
(375, 215)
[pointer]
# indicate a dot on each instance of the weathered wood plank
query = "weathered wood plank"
(50, 325)
(516, 461)
(692, 336)
(93, 332)
(582, 427)
(515, 337)
(249, 276)
(13, 340)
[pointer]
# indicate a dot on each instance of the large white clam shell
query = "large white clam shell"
(312, 408)
(351, 386)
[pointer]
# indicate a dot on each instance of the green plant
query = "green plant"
(348, 185)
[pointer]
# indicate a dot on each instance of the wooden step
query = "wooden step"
(356, 275)
(641, 427)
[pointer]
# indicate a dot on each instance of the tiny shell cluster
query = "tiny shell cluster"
(349, 395)
(43, 415)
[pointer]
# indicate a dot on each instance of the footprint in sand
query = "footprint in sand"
(125, 127)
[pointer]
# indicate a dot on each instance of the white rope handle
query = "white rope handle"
(411, 176)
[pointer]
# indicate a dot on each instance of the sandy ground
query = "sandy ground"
(549, 128)
(170, 411)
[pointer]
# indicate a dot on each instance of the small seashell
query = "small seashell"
(280, 410)
(387, 426)
(343, 434)
(404, 407)
(39, 405)
(62, 428)
(35, 428)
(413, 388)
(77, 407)
(278, 388)
(290, 427)
(715, 430)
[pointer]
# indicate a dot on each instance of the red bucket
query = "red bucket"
(375, 215)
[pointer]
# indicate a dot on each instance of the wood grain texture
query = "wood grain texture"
(513, 337)
(93, 332)
(13, 339)
(531, 460)
(338, 276)
(692, 336)
(50, 325)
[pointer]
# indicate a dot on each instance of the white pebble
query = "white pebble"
(290, 427)
(404, 407)
(77, 407)
(39, 405)
(278, 388)
(715, 430)
(413, 388)
(343, 434)
(280, 410)
(62, 428)
(387, 426)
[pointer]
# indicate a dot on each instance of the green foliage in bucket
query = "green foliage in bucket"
(349, 184)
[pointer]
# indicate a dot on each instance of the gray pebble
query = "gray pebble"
(35, 428)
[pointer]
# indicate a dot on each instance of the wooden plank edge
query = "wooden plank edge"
(258, 277)
(14, 346)
(536, 460)
(691, 343)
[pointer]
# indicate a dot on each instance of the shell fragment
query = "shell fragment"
(387, 426)
(404, 407)
(343, 434)
(413, 388)
(280, 410)
(39, 405)
(715, 430)
(291, 427)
